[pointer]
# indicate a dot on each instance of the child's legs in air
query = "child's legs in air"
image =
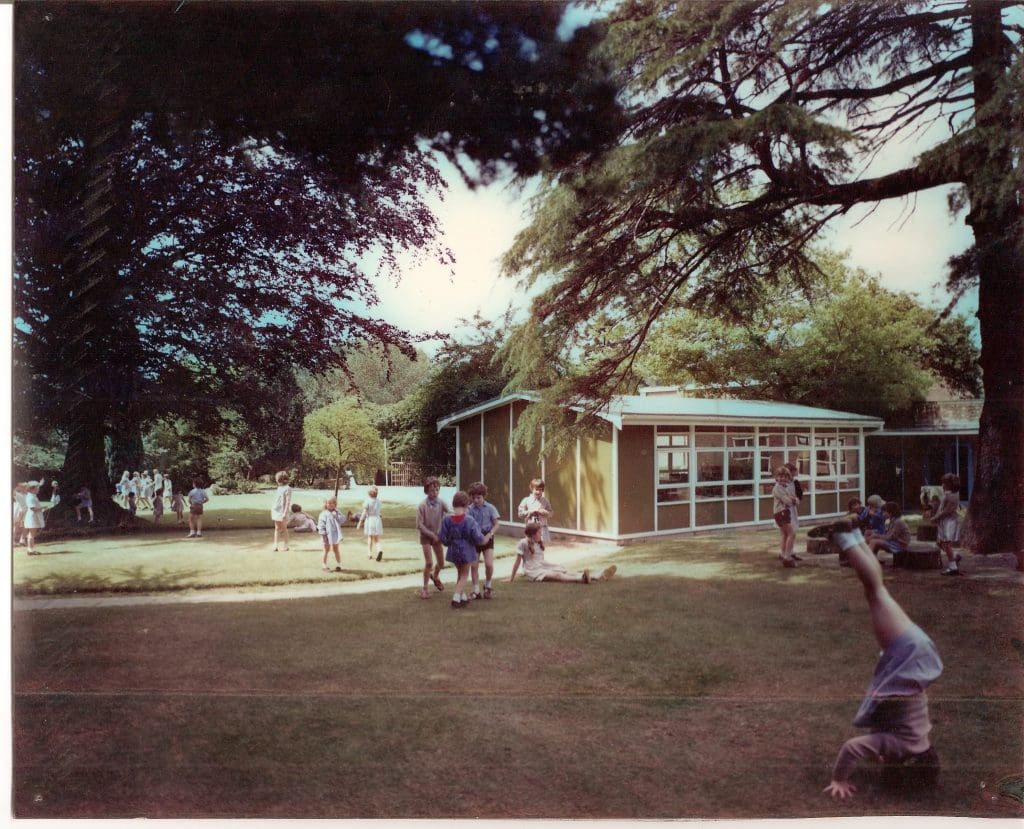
(887, 618)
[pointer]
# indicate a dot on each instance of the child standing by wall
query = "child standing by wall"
(34, 519)
(784, 512)
(178, 505)
(947, 520)
(429, 515)
(280, 508)
(374, 526)
(486, 516)
(461, 535)
(329, 526)
(895, 707)
(535, 507)
(530, 553)
(196, 498)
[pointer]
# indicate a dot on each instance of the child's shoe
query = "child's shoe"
(951, 570)
(191, 535)
(488, 592)
(380, 555)
(475, 595)
(788, 562)
(586, 577)
(337, 569)
(438, 583)
(456, 604)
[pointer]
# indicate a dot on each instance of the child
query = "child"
(947, 520)
(797, 486)
(374, 526)
(158, 508)
(329, 527)
(54, 494)
(896, 538)
(530, 552)
(168, 489)
(178, 505)
(854, 510)
(873, 516)
(122, 489)
(535, 507)
(20, 509)
(486, 516)
(429, 515)
(299, 522)
(280, 508)
(895, 707)
(132, 500)
(196, 498)
(34, 518)
(84, 502)
(461, 535)
(784, 512)
(145, 491)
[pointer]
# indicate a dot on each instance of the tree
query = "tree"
(747, 127)
(199, 185)
(340, 435)
(855, 347)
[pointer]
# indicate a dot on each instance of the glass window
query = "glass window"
(703, 493)
(673, 458)
(710, 436)
(672, 494)
(740, 490)
(772, 438)
(710, 465)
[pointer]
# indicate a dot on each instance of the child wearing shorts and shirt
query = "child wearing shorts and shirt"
(429, 515)
(486, 516)
(196, 498)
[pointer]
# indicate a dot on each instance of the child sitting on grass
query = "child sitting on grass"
(530, 553)
(895, 707)
(299, 522)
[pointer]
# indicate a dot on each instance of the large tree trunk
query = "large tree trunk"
(995, 515)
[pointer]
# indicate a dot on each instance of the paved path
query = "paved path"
(569, 554)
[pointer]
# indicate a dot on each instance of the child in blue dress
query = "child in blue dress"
(461, 535)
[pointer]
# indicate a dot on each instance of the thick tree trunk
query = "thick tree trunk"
(126, 450)
(995, 515)
(85, 464)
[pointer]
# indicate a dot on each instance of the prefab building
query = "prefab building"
(667, 464)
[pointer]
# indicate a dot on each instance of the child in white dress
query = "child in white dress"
(329, 526)
(34, 519)
(530, 553)
(374, 527)
(947, 519)
(280, 509)
(20, 491)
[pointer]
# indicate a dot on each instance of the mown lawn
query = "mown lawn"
(704, 681)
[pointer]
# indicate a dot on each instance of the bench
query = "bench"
(922, 555)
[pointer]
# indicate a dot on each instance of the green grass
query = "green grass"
(705, 682)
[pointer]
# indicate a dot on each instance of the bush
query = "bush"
(234, 486)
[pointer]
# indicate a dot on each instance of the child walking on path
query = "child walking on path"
(461, 535)
(196, 498)
(537, 508)
(784, 511)
(34, 518)
(280, 509)
(329, 526)
(486, 516)
(374, 527)
(947, 520)
(895, 706)
(429, 515)
(530, 553)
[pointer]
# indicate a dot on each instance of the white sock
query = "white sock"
(476, 587)
(487, 583)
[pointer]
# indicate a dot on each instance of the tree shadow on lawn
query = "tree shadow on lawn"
(131, 580)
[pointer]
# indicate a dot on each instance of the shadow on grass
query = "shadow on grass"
(133, 580)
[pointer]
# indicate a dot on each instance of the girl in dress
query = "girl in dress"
(947, 520)
(178, 505)
(34, 519)
(280, 509)
(530, 553)
(145, 492)
(20, 509)
(122, 489)
(373, 527)
(461, 535)
(329, 526)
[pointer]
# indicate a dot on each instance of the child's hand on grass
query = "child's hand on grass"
(840, 788)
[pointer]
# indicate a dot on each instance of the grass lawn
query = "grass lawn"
(236, 551)
(706, 681)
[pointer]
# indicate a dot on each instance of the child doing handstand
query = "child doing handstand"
(895, 707)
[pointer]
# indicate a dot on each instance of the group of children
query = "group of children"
(137, 491)
(466, 528)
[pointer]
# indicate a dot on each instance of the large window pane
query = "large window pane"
(741, 466)
(670, 494)
(705, 492)
(709, 436)
(710, 466)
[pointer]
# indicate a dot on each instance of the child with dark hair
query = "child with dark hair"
(895, 707)
(486, 516)
(530, 553)
(461, 534)
(947, 520)
(896, 538)
(429, 515)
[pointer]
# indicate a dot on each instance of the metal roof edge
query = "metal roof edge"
(486, 406)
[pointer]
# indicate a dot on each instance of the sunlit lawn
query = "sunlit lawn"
(704, 681)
